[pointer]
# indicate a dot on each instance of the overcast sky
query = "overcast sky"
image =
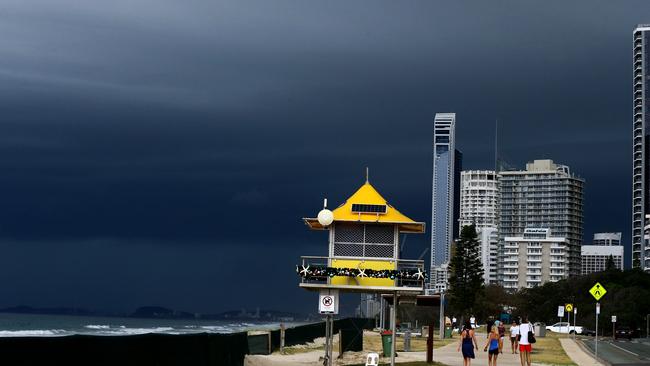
(164, 152)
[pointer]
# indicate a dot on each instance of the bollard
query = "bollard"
(430, 344)
(282, 338)
(407, 341)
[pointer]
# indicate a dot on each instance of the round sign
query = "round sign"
(327, 301)
(569, 307)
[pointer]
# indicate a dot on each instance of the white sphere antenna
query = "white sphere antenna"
(325, 216)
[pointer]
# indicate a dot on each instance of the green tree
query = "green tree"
(466, 271)
(609, 264)
(491, 301)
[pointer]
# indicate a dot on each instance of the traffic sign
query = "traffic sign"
(568, 307)
(597, 291)
(597, 308)
(613, 318)
(560, 311)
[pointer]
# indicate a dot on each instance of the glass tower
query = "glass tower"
(447, 164)
(640, 186)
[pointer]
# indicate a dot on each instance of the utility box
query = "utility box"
(540, 329)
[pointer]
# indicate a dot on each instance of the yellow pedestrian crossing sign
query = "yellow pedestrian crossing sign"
(568, 307)
(597, 291)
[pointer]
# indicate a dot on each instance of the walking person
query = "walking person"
(472, 321)
(488, 325)
(514, 332)
(468, 343)
(494, 344)
(525, 347)
(501, 328)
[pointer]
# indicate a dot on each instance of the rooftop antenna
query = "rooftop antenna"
(496, 150)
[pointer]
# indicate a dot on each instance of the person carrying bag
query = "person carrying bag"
(526, 338)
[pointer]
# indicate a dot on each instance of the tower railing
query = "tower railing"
(405, 272)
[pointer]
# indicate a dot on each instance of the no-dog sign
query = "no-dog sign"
(328, 302)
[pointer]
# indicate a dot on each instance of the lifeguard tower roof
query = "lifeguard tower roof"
(368, 206)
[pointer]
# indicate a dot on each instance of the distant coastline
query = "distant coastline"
(159, 312)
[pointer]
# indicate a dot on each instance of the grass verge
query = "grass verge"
(548, 350)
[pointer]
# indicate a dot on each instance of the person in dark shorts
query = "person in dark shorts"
(467, 343)
(501, 328)
(494, 344)
(514, 332)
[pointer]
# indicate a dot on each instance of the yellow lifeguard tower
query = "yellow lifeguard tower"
(363, 248)
(364, 252)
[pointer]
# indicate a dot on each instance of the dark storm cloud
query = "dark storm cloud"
(204, 128)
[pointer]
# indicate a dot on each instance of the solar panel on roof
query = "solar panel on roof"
(365, 208)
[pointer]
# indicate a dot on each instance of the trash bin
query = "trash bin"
(540, 329)
(386, 342)
(447, 332)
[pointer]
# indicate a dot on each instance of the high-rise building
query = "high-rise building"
(479, 206)
(594, 257)
(607, 239)
(447, 164)
(534, 258)
(545, 195)
(641, 168)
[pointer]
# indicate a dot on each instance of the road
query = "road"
(622, 352)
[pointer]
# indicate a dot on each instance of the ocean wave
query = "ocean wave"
(34, 333)
(94, 326)
(131, 331)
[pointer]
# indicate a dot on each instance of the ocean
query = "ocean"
(29, 325)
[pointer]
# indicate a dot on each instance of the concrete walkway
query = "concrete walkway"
(577, 354)
(450, 356)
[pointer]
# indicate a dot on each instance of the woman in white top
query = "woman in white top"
(514, 332)
(525, 348)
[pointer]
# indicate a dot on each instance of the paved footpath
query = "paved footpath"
(450, 356)
(577, 354)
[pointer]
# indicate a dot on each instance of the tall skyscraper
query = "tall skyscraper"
(641, 172)
(447, 164)
(479, 206)
(545, 195)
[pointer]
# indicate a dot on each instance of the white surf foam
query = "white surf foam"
(34, 333)
(95, 326)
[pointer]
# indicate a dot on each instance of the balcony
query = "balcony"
(406, 276)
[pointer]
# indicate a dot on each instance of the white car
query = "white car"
(564, 327)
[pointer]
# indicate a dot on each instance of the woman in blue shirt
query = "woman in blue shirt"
(494, 344)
